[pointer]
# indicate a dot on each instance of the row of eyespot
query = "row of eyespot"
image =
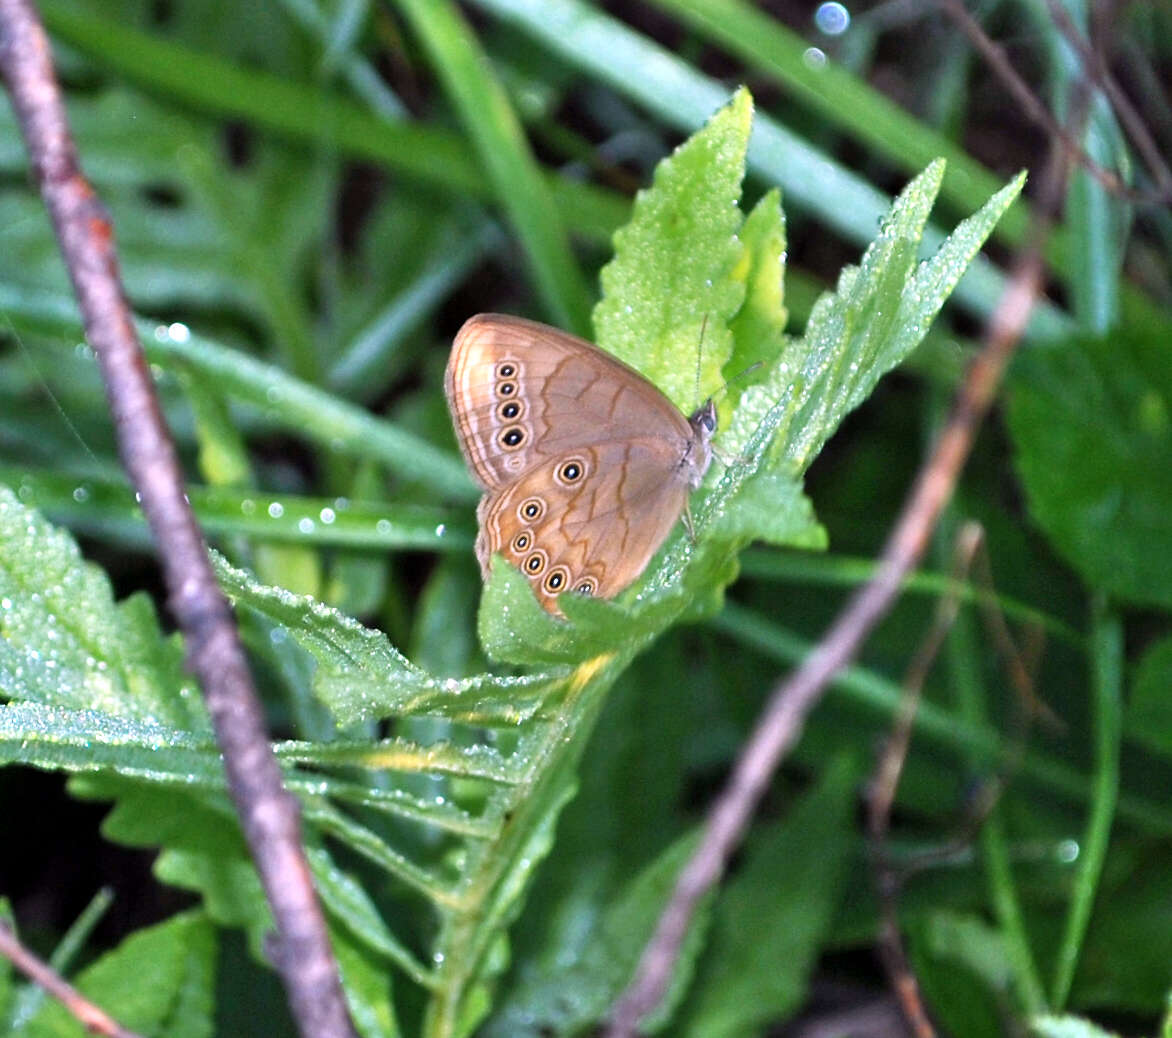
(536, 561)
(511, 436)
(533, 508)
(557, 578)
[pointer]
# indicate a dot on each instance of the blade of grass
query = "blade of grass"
(362, 364)
(965, 674)
(505, 155)
(670, 88)
(944, 729)
(284, 401)
(844, 101)
(849, 571)
(108, 507)
(427, 155)
(1107, 690)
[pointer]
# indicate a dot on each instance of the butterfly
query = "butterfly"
(585, 464)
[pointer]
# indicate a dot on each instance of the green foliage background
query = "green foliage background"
(308, 200)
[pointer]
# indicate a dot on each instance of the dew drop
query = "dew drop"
(832, 18)
(814, 57)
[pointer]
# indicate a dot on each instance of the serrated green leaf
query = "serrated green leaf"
(672, 276)
(360, 675)
(758, 326)
(1091, 421)
(772, 508)
(65, 643)
(159, 980)
(771, 919)
(86, 740)
(879, 312)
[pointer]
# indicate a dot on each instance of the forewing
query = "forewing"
(522, 393)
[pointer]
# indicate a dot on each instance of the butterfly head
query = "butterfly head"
(699, 454)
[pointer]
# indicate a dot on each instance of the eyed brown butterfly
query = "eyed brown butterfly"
(585, 464)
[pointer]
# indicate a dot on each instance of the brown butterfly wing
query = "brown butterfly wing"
(523, 393)
(587, 521)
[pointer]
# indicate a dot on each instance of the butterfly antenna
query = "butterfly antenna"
(737, 377)
(700, 356)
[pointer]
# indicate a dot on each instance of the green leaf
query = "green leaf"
(360, 675)
(758, 325)
(367, 984)
(64, 643)
(772, 918)
(672, 276)
(772, 508)
(964, 971)
(158, 981)
(1149, 708)
(1091, 421)
(878, 314)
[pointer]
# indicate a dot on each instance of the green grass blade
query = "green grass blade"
(283, 400)
(430, 156)
(505, 155)
(1107, 689)
(671, 89)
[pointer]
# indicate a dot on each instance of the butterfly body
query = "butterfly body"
(585, 464)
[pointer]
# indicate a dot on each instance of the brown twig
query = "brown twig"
(93, 1019)
(883, 787)
(785, 713)
(269, 815)
(1097, 70)
(1036, 111)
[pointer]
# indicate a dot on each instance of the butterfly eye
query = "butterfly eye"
(531, 508)
(521, 542)
(570, 471)
(509, 410)
(536, 562)
(506, 370)
(556, 580)
(585, 587)
(513, 436)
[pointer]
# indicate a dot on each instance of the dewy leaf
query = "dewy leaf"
(879, 312)
(773, 509)
(1091, 421)
(360, 675)
(758, 326)
(771, 919)
(65, 643)
(513, 628)
(672, 276)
